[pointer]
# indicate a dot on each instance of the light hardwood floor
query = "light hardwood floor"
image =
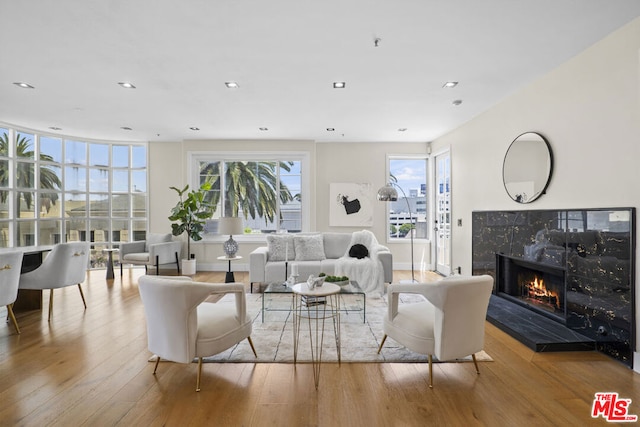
(89, 367)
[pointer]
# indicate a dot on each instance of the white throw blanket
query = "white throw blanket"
(368, 271)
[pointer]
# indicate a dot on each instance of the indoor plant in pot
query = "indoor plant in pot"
(190, 215)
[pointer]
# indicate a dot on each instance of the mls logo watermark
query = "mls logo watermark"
(612, 408)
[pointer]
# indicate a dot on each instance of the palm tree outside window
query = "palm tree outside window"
(267, 194)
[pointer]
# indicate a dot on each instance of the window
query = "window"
(56, 190)
(266, 190)
(408, 175)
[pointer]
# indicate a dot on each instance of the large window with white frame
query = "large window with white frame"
(410, 213)
(54, 189)
(266, 190)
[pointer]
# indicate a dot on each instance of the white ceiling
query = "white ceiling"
(285, 55)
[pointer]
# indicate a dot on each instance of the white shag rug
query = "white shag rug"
(273, 338)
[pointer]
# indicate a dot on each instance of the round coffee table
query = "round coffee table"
(321, 303)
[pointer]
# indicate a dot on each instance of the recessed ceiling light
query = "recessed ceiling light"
(127, 85)
(232, 85)
(331, 129)
(23, 85)
(126, 128)
(194, 128)
(264, 129)
(450, 84)
(402, 130)
(339, 85)
(457, 102)
(54, 128)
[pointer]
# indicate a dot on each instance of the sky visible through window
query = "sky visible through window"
(410, 173)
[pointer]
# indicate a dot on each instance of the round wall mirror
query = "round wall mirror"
(527, 167)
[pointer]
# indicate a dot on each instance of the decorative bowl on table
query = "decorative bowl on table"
(337, 280)
(341, 283)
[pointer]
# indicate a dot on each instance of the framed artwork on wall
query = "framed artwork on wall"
(350, 205)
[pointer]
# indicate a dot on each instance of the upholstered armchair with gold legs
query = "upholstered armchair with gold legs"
(66, 265)
(449, 324)
(10, 264)
(182, 326)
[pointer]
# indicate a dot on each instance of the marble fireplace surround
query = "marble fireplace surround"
(593, 247)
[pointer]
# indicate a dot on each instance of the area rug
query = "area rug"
(360, 336)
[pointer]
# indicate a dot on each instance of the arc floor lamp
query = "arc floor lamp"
(389, 194)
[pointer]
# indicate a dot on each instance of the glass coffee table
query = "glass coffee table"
(273, 300)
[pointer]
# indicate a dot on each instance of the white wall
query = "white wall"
(364, 163)
(588, 109)
(356, 163)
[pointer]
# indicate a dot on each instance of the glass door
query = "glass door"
(442, 217)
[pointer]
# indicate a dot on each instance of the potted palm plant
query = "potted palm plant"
(190, 215)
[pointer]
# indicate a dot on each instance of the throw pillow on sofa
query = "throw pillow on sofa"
(358, 251)
(281, 247)
(309, 248)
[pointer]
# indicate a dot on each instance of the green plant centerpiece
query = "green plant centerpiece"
(191, 213)
(334, 279)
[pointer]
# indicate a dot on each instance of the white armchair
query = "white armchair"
(181, 326)
(449, 325)
(156, 250)
(10, 265)
(66, 265)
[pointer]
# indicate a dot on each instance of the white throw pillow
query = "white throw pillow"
(309, 248)
(280, 247)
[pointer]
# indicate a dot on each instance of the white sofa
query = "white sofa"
(267, 263)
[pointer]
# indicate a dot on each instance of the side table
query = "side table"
(110, 253)
(318, 313)
(229, 277)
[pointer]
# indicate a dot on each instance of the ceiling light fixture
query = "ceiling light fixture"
(127, 85)
(126, 128)
(457, 102)
(450, 85)
(264, 129)
(194, 128)
(23, 85)
(339, 85)
(54, 128)
(402, 130)
(331, 129)
(232, 85)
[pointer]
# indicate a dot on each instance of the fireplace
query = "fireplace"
(561, 276)
(536, 286)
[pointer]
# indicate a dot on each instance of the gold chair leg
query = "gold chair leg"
(430, 372)
(382, 343)
(252, 347)
(82, 295)
(199, 373)
(13, 317)
(475, 362)
(50, 304)
(156, 367)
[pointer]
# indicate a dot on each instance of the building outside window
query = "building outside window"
(55, 190)
(410, 174)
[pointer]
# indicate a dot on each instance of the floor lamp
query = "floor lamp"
(389, 194)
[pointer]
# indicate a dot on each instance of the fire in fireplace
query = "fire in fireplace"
(534, 291)
(538, 287)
